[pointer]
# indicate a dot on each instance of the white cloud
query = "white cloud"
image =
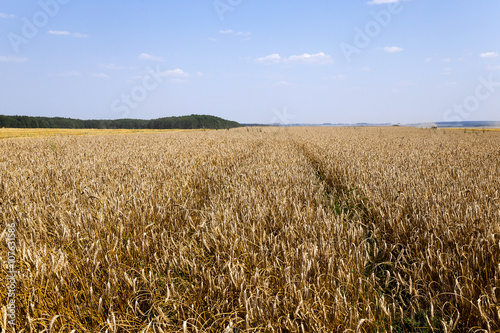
(149, 57)
(174, 73)
(67, 33)
(318, 58)
(6, 16)
(59, 32)
(12, 59)
(235, 33)
(392, 49)
(244, 35)
(67, 74)
(101, 75)
(382, 2)
(270, 59)
(115, 67)
(489, 55)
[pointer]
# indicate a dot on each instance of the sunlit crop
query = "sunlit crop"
(45, 132)
(254, 230)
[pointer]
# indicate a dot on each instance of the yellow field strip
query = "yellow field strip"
(45, 132)
(474, 129)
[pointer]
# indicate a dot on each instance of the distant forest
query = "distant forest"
(182, 122)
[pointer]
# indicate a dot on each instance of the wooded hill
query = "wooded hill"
(183, 122)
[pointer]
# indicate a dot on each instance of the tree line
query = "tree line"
(182, 122)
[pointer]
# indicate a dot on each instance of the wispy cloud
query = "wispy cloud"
(339, 77)
(393, 49)
(235, 33)
(489, 55)
(447, 71)
(6, 16)
(67, 33)
(174, 73)
(318, 58)
(402, 86)
(178, 80)
(12, 59)
(383, 2)
(306, 58)
(270, 59)
(79, 35)
(283, 83)
(494, 68)
(59, 32)
(245, 36)
(101, 76)
(149, 57)
(115, 67)
(448, 84)
(67, 74)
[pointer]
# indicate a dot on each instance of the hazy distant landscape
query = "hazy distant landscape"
(197, 122)
(449, 124)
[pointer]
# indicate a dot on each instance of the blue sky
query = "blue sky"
(286, 61)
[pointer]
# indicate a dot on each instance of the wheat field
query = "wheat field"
(46, 132)
(253, 230)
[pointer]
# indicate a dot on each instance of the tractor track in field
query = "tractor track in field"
(341, 200)
(335, 188)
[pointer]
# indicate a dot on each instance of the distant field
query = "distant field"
(477, 129)
(252, 230)
(43, 132)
